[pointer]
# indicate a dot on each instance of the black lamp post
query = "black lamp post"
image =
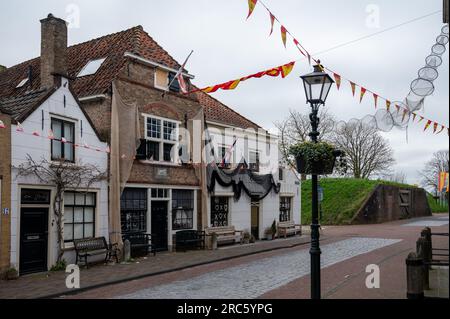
(317, 86)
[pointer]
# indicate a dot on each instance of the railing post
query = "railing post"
(420, 250)
(428, 247)
(414, 276)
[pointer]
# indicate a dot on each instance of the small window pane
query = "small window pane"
(153, 151)
(78, 215)
(170, 131)
(68, 214)
(153, 127)
(88, 230)
(68, 232)
(154, 195)
(88, 214)
(90, 199)
(168, 152)
(79, 199)
(91, 67)
(78, 231)
(69, 198)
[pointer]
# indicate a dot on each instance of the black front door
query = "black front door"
(159, 225)
(33, 240)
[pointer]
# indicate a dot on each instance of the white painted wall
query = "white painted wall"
(38, 147)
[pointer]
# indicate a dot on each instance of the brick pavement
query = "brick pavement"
(51, 283)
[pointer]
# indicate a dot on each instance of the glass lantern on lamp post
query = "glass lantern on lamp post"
(317, 86)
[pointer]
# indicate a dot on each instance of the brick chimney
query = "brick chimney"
(53, 51)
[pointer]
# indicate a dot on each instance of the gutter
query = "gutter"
(155, 64)
(92, 98)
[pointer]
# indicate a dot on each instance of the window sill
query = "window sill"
(160, 163)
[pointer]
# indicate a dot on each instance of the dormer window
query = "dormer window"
(91, 67)
(22, 83)
(164, 78)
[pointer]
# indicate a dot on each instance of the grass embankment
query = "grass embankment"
(342, 198)
(435, 206)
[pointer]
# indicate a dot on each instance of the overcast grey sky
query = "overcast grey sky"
(226, 46)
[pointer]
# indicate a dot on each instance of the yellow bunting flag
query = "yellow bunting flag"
(283, 35)
(251, 7)
(272, 21)
(363, 91)
(286, 69)
(353, 85)
(375, 98)
(337, 79)
(427, 125)
(388, 105)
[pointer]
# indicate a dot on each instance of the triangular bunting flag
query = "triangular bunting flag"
(442, 128)
(283, 35)
(375, 98)
(297, 44)
(405, 111)
(2, 125)
(272, 21)
(251, 7)
(337, 79)
(435, 125)
(108, 149)
(414, 116)
(397, 107)
(51, 135)
(286, 69)
(427, 125)
(63, 140)
(421, 119)
(388, 105)
(19, 127)
(353, 85)
(36, 133)
(363, 91)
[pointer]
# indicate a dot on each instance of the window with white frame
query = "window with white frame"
(182, 209)
(162, 139)
(63, 142)
(91, 67)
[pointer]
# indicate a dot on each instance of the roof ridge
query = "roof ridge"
(106, 35)
(213, 98)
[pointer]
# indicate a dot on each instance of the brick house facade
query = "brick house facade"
(5, 191)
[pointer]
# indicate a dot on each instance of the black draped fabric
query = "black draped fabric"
(241, 178)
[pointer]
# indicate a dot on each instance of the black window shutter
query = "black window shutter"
(141, 152)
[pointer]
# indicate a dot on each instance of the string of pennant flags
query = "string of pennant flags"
(437, 127)
(50, 136)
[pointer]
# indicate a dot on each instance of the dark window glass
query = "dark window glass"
(182, 209)
(254, 161)
(168, 152)
(79, 215)
(285, 209)
(174, 86)
(219, 211)
(153, 151)
(35, 196)
(133, 210)
(280, 174)
(63, 143)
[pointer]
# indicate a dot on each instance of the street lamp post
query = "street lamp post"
(317, 86)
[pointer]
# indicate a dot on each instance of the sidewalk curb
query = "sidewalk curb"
(122, 280)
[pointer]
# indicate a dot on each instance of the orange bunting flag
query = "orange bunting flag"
(251, 7)
(2, 125)
(272, 21)
(283, 35)
(363, 91)
(297, 44)
(375, 98)
(282, 70)
(337, 79)
(427, 125)
(353, 85)
(435, 125)
(388, 105)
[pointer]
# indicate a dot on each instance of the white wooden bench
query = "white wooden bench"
(225, 234)
(288, 228)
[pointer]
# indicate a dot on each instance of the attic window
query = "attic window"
(91, 67)
(22, 83)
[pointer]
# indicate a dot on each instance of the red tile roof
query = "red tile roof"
(112, 47)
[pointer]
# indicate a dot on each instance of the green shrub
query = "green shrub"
(61, 265)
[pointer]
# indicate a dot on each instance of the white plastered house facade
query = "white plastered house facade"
(34, 244)
(245, 213)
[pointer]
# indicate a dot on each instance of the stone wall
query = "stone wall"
(5, 189)
(387, 203)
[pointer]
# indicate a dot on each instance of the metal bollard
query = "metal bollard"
(420, 251)
(414, 277)
(428, 249)
(126, 250)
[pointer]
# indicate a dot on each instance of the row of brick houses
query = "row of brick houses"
(68, 90)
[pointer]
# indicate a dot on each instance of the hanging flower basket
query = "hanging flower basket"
(315, 158)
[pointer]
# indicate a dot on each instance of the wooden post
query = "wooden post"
(414, 276)
(420, 250)
(428, 247)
